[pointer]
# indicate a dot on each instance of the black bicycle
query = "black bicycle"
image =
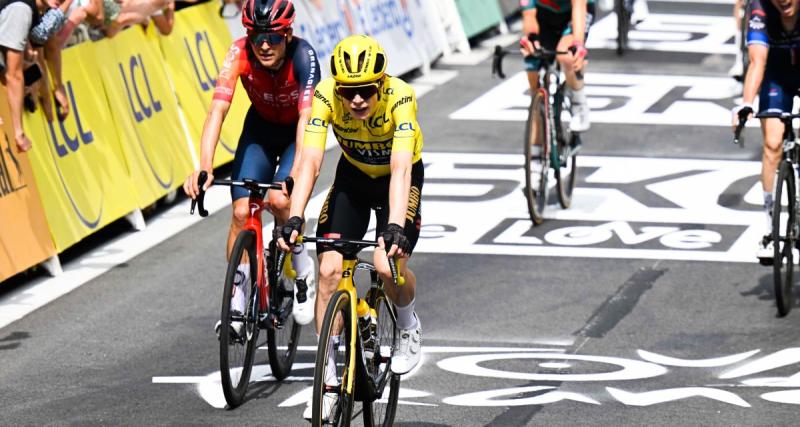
(785, 227)
(548, 142)
(268, 295)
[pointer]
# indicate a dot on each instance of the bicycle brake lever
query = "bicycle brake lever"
(497, 62)
(289, 185)
(396, 277)
(201, 180)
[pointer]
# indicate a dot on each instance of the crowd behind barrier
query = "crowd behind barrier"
(137, 103)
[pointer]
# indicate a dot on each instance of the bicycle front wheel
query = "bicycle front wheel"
(567, 156)
(784, 237)
(332, 404)
(537, 159)
(283, 333)
(381, 410)
(239, 319)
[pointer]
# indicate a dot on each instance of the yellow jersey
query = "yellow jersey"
(368, 144)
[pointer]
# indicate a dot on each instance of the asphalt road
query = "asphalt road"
(640, 305)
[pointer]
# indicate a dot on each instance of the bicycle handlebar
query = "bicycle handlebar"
(349, 247)
(500, 53)
(247, 183)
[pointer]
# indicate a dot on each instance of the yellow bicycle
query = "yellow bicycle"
(356, 367)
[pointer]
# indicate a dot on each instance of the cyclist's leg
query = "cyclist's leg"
(278, 200)
(400, 295)
(343, 214)
(252, 160)
(574, 70)
(774, 96)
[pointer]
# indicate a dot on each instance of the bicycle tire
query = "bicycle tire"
(784, 243)
(341, 414)
(567, 158)
(623, 25)
(381, 409)
(537, 132)
(243, 347)
(283, 334)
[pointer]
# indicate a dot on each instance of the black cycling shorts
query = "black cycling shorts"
(354, 195)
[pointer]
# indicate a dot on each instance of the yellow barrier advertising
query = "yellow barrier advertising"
(78, 163)
(194, 53)
(145, 114)
(24, 239)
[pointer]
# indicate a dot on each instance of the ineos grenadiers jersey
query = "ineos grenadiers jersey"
(557, 6)
(765, 28)
(368, 144)
(278, 96)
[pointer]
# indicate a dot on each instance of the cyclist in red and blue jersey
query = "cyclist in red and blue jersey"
(560, 25)
(773, 45)
(279, 72)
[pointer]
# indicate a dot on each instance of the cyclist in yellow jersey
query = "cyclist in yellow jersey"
(373, 116)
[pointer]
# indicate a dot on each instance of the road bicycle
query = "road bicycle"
(547, 127)
(362, 357)
(268, 296)
(785, 226)
(624, 10)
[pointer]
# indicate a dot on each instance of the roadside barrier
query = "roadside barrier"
(24, 239)
(137, 107)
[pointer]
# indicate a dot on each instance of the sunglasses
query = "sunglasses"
(365, 91)
(271, 38)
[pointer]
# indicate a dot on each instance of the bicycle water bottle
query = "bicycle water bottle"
(367, 324)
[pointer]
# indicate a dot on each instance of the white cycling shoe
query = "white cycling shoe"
(409, 349)
(580, 117)
(328, 403)
(766, 251)
(303, 312)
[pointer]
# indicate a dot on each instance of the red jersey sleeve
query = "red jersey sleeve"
(232, 68)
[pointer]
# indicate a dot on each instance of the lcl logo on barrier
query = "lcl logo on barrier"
(74, 143)
(146, 110)
(201, 38)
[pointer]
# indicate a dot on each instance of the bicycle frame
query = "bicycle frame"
(550, 86)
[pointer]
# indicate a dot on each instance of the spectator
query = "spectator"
(136, 12)
(17, 18)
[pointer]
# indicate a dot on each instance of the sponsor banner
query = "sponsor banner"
(407, 30)
(669, 33)
(478, 16)
(79, 164)
(622, 98)
(193, 53)
(24, 239)
(147, 119)
(627, 208)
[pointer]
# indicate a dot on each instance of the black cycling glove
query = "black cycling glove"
(294, 223)
(395, 235)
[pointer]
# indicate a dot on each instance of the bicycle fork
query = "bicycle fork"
(346, 284)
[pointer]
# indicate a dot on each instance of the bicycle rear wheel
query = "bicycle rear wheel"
(567, 156)
(237, 345)
(537, 160)
(381, 411)
(623, 24)
(332, 366)
(784, 237)
(283, 333)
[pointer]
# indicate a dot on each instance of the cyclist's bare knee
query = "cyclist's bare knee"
(330, 271)
(279, 205)
(241, 210)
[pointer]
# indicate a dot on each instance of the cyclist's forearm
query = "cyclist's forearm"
(399, 187)
(311, 160)
(211, 131)
(302, 121)
(578, 20)
(755, 73)
(529, 22)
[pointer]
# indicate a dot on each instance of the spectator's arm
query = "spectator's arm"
(16, 91)
(52, 52)
(44, 86)
(165, 20)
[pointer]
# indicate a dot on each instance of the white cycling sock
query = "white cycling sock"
(238, 297)
(301, 261)
(330, 368)
(405, 316)
(769, 202)
(578, 96)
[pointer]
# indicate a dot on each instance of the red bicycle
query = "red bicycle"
(267, 288)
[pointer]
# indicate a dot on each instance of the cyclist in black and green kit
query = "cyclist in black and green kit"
(560, 25)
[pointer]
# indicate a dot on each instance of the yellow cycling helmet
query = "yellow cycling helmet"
(358, 59)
